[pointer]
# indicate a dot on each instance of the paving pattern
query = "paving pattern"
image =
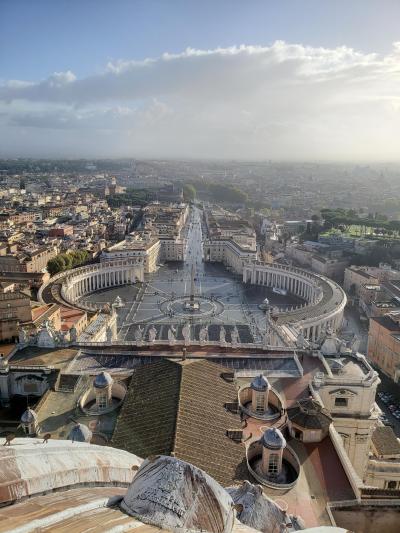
(224, 300)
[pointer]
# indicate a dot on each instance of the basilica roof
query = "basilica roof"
(29, 466)
(179, 407)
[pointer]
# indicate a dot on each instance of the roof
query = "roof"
(386, 322)
(385, 441)
(273, 439)
(178, 407)
(260, 383)
(34, 356)
(102, 380)
(83, 509)
(29, 416)
(309, 414)
(30, 467)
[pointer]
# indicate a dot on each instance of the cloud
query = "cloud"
(283, 101)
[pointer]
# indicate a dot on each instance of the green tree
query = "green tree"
(189, 192)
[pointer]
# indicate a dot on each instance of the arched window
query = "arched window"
(392, 485)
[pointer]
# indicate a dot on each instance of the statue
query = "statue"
(355, 344)
(186, 333)
(73, 335)
(203, 334)
(234, 336)
(152, 334)
(171, 335)
(267, 338)
(22, 336)
(300, 341)
(139, 334)
(222, 335)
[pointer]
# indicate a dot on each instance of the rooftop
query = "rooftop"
(178, 407)
(309, 414)
(48, 357)
(385, 441)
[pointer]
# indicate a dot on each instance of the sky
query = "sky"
(238, 79)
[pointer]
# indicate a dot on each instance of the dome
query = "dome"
(260, 383)
(80, 433)
(102, 380)
(309, 414)
(29, 416)
(177, 496)
(273, 439)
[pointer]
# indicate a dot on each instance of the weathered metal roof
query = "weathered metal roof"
(273, 439)
(83, 510)
(260, 383)
(29, 466)
(29, 416)
(102, 380)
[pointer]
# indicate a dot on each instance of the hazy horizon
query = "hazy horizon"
(197, 94)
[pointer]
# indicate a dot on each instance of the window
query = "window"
(273, 464)
(260, 403)
(391, 485)
(341, 402)
(102, 401)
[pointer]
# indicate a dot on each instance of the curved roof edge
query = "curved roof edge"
(30, 466)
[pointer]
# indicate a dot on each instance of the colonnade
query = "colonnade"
(100, 276)
(325, 300)
(305, 288)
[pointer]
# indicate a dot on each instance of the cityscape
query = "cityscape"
(200, 315)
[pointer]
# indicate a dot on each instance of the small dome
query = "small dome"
(29, 416)
(273, 439)
(102, 380)
(177, 496)
(260, 383)
(80, 433)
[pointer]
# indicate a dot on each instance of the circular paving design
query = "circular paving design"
(178, 307)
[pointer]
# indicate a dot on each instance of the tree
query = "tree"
(189, 192)
(63, 262)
